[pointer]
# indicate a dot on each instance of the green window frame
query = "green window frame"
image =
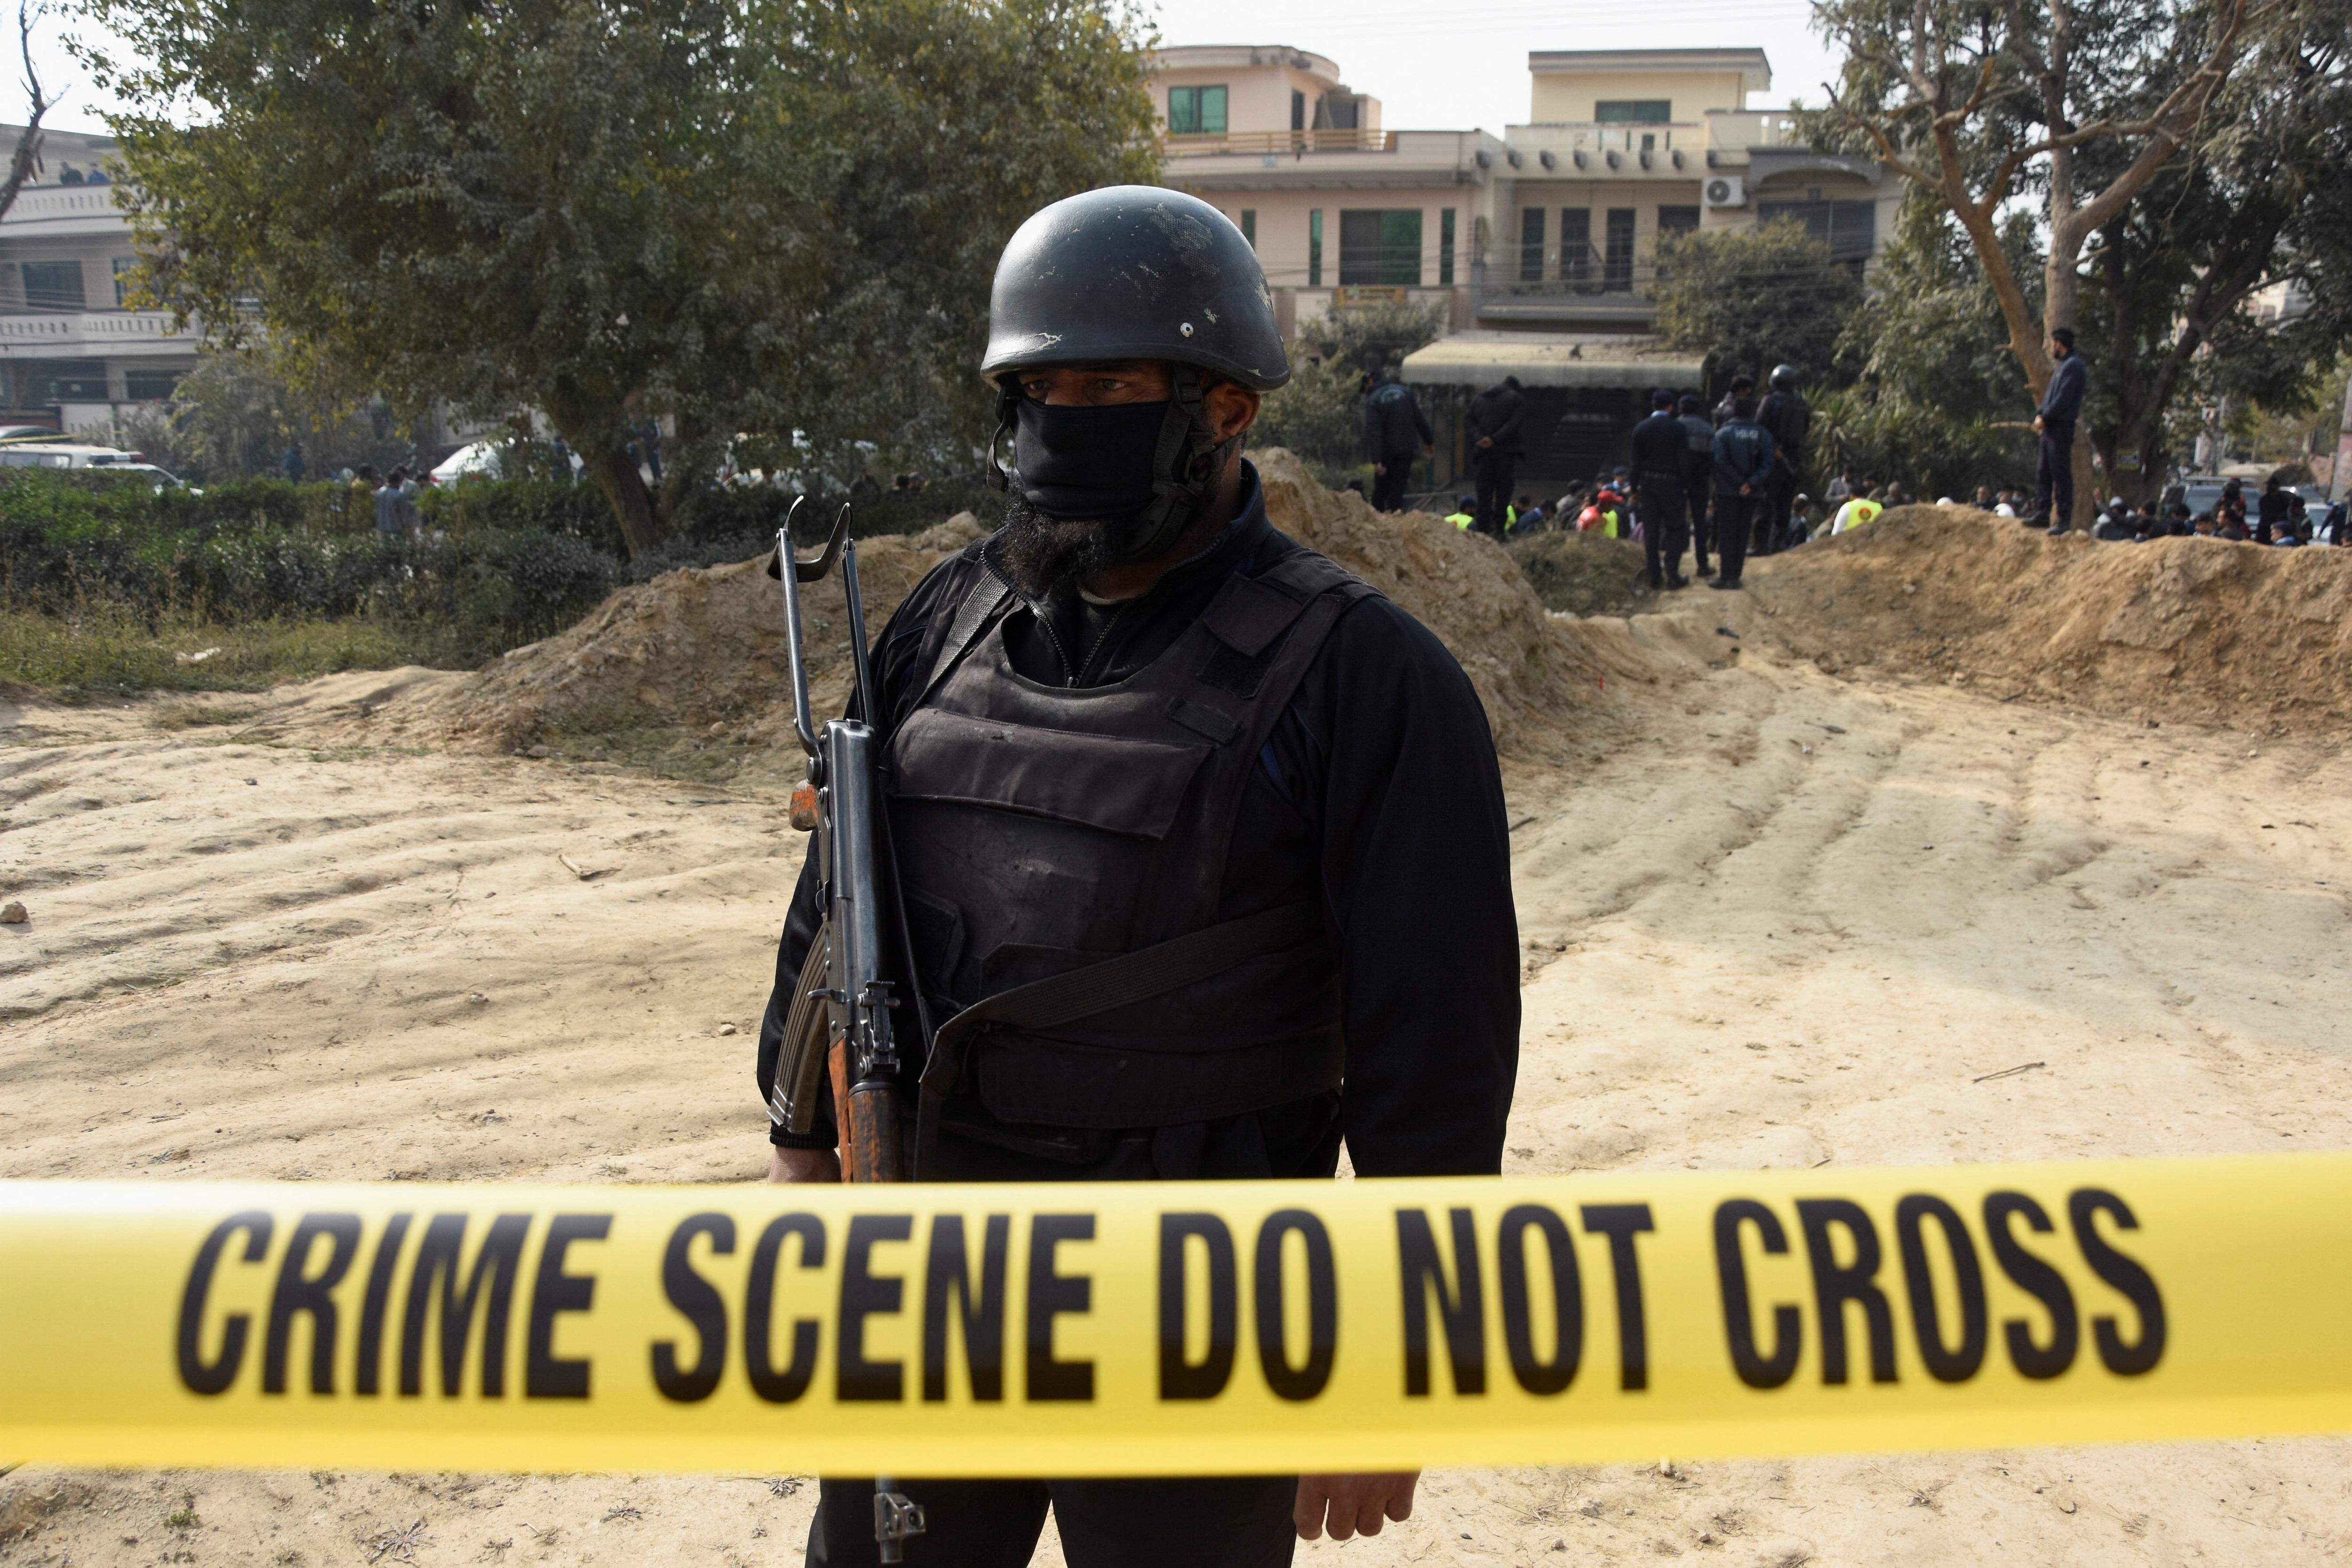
(1531, 245)
(1314, 247)
(1380, 246)
(1249, 226)
(1634, 112)
(1576, 243)
(1445, 249)
(1196, 111)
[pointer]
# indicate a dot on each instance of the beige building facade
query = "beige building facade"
(1541, 245)
(72, 354)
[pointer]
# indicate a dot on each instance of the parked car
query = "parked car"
(475, 460)
(62, 455)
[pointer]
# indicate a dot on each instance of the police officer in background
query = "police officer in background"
(1138, 716)
(1395, 432)
(1661, 454)
(1787, 418)
(1493, 426)
(1698, 476)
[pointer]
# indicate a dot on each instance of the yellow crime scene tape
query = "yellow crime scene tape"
(1237, 1327)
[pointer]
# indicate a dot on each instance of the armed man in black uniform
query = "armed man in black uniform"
(1789, 419)
(1139, 717)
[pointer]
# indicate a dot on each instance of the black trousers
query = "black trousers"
(1665, 529)
(1492, 473)
(1781, 498)
(1229, 1521)
(2053, 474)
(1733, 514)
(1390, 486)
(1702, 531)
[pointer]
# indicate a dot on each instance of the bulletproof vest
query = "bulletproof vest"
(1040, 829)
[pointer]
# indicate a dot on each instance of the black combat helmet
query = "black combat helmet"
(1133, 272)
(1784, 378)
(1136, 272)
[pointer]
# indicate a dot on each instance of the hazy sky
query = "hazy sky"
(1439, 66)
(1433, 65)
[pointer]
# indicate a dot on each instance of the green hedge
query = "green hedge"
(496, 564)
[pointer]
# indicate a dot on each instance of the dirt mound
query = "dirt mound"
(1585, 573)
(1530, 670)
(2178, 628)
(698, 649)
(693, 662)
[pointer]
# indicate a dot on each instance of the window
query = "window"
(1380, 247)
(41, 381)
(149, 386)
(1634, 110)
(1576, 243)
(1249, 226)
(1849, 228)
(124, 266)
(1531, 231)
(1297, 109)
(1445, 249)
(1617, 260)
(1314, 247)
(1196, 111)
(52, 285)
(1673, 221)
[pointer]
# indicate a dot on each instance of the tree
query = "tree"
(1756, 297)
(1986, 104)
(26, 161)
(1319, 414)
(775, 215)
(2260, 206)
(1938, 402)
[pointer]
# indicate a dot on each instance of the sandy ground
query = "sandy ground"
(1774, 919)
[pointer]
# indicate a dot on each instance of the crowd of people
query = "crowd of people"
(1725, 482)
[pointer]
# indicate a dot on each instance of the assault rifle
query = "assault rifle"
(839, 1024)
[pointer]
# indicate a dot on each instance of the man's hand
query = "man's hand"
(1485, 442)
(1357, 1505)
(803, 1164)
(2037, 422)
(1380, 470)
(1747, 490)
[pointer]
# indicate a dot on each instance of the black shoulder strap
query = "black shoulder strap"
(980, 602)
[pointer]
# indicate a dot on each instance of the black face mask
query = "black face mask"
(1090, 464)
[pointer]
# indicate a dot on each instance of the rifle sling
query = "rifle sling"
(1104, 987)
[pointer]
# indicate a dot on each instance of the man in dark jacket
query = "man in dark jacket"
(1139, 717)
(1661, 449)
(1493, 429)
(1395, 431)
(1743, 468)
(1787, 418)
(1698, 476)
(2061, 405)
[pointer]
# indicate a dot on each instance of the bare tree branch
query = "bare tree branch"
(28, 158)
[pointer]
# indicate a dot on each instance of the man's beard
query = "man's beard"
(1042, 553)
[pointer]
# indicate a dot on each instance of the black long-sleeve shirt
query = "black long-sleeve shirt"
(1661, 448)
(1394, 424)
(1378, 793)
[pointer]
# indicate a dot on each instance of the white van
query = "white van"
(72, 454)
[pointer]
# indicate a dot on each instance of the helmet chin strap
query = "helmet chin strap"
(1184, 469)
(1184, 466)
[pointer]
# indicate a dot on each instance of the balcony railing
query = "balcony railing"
(93, 329)
(1737, 129)
(1248, 141)
(52, 201)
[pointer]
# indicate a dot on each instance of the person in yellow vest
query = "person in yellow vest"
(1462, 516)
(1855, 513)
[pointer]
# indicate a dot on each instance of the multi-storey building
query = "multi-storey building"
(72, 354)
(1542, 243)
(1340, 208)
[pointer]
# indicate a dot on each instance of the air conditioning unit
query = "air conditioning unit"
(1724, 191)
